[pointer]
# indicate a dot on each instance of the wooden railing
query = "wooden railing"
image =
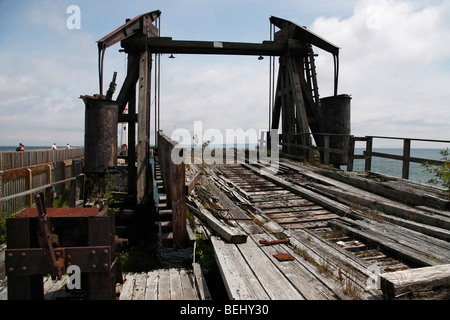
(406, 153)
(18, 185)
(349, 150)
(173, 176)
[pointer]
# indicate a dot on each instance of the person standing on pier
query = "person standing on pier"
(54, 146)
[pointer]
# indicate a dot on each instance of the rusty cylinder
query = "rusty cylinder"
(335, 119)
(100, 135)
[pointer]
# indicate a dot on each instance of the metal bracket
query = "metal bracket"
(47, 238)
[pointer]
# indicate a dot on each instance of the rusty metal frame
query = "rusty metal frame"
(27, 260)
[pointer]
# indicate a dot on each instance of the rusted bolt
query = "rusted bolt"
(23, 254)
(94, 266)
(10, 269)
(105, 266)
(106, 251)
(58, 254)
(10, 254)
(68, 257)
(24, 268)
(93, 252)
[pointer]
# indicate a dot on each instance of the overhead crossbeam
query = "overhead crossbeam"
(169, 46)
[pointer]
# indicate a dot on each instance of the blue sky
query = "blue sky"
(395, 63)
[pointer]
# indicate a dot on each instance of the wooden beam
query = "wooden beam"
(305, 35)
(422, 283)
(228, 233)
(276, 112)
(178, 199)
(129, 84)
(143, 127)
(287, 104)
(131, 27)
(302, 117)
(167, 45)
(239, 280)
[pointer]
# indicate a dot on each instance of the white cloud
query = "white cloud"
(225, 93)
(394, 62)
(40, 85)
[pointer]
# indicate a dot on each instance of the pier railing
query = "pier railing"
(347, 150)
(405, 158)
(17, 185)
(16, 159)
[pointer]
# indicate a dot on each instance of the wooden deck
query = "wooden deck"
(160, 284)
(164, 284)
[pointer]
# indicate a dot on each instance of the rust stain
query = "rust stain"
(284, 257)
(64, 212)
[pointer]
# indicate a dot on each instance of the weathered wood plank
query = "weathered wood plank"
(239, 280)
(230, 234)
(274, 282)
(189, 291)
(202, 287)
(126, 293)
(340, 264)
(306, 282)
(3, 291)
(300, 214)
(140, 280)
(422, 283)
(304, 219)
(283, 204)
(176, 291)
(164, 285)
(53, 288)
(151, 285)
(387, 206)
(292, 209)
(412, 252)
(325, 202)
(235, 212)
(370, 193)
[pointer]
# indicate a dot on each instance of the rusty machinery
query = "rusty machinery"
(46, 241)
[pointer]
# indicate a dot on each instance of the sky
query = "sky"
(394, 62)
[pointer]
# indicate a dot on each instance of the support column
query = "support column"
(143, 127)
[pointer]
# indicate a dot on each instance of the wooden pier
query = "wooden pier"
(160, 284)
(301, 232)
